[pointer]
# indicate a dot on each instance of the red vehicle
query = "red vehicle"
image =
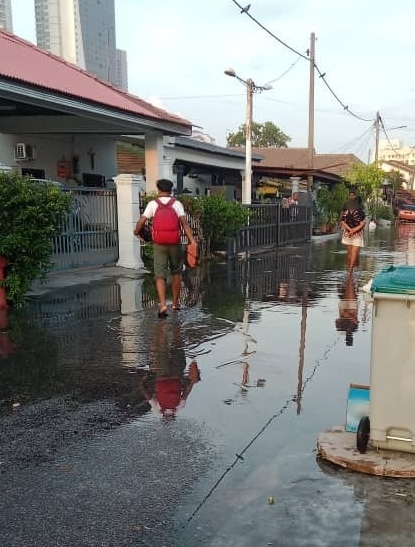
(406, 213)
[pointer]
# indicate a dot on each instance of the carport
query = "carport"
(59, 121)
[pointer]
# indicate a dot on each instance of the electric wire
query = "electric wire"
(201, 97)
(284, 73)
(320, 73)
(365, 145)
(403, 156)
(354, 141)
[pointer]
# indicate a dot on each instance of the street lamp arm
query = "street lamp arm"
(248, 82)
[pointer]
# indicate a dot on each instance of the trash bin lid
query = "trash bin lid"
(395, 279)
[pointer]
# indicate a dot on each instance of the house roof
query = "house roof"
(297, 159)
(399, 165)
(22, 62)
(189, 142)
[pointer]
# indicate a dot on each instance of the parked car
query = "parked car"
(406, 213)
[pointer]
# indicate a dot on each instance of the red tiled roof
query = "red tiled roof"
(297, 158)
(399, 165)
(22, 61)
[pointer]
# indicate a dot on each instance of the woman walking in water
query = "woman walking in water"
(353, 222)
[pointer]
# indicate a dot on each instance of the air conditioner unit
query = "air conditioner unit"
(24, 151)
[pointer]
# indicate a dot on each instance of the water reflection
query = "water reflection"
(405, 242)
(348, 322)
(168, 383)
(7, 346)
(273, 276)
(387, 506)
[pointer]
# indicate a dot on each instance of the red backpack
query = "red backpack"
(166, 225)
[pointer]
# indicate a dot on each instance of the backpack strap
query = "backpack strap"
(168, 204)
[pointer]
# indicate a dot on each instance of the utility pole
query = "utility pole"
(251, 88)
(311, 115)
(377, 131)
(247, 187)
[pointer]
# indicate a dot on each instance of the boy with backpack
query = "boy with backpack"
(168, 218)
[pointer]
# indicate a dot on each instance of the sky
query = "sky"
(178, 52)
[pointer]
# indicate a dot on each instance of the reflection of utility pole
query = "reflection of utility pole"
(377, 132)
(311, 115)
(304, 302)
(246, 197)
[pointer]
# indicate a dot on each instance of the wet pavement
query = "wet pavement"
(256, 364)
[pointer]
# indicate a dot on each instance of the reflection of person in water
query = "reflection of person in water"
(168, 383)
(348, 307)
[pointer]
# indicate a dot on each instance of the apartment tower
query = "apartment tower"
(6, 15)
(80, 31)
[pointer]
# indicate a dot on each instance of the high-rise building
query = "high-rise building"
(80, 31)
(121, 69)
(6, 20)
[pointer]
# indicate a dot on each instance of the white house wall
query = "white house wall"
(49, 149)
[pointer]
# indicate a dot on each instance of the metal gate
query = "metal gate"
(89, 234)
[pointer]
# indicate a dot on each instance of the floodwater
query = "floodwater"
(117, 428)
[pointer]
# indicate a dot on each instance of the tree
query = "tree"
(264, 135)
(395, 179)
(367, 179)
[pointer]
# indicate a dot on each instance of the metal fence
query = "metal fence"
(89, 234)
(271, 226)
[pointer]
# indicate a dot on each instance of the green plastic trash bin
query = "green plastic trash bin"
(392, 363)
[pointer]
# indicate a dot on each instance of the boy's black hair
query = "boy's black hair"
(164, 185)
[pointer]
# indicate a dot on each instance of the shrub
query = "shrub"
(31, 215)
(221, 219)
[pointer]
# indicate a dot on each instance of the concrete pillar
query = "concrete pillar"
(129, 188)
(167, 168)
(295, 181)
(154, 151)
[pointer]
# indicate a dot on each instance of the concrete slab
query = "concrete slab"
(339, 447)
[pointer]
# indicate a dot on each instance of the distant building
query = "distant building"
(121, 69)
(6, 20)
(201, 136)
(80, 31)
(394, 150)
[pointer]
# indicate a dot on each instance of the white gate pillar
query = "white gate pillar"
(129, 188)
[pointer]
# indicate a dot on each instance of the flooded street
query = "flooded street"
(117, 428)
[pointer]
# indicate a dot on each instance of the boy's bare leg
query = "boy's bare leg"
(161, 293)
(176, 281)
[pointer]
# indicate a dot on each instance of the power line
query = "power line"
(285, 72)
(200, 97)
(245, 11)
(365, 135)
(403, 156)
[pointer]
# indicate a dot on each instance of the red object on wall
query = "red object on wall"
(64, 169)
(3, 263)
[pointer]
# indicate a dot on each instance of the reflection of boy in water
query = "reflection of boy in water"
(167, 385)
(347, 321)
